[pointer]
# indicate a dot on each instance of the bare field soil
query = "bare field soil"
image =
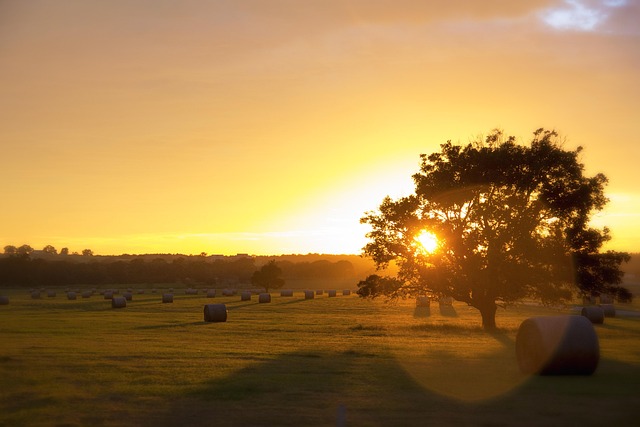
(294, 362)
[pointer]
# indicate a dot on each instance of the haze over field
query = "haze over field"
(271, 127)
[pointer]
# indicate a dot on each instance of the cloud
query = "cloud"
(586, 15)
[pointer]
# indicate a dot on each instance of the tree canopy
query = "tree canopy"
(268, 276)
(509, 221)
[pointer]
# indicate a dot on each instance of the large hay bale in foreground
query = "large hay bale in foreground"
(4, 300)
(118, 302)
(167, 298)
(332, 293)
(593, 313)
(286, 293)
(215, 313)
(423, 301)
(557, 345)
(245, 296)
(264, 298)
(309, 295)
(71, 295)
(609, 310)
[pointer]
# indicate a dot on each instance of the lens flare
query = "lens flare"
(428, 241)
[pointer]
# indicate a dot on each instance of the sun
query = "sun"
(428, 241)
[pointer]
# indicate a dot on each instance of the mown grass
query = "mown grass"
(293, 362)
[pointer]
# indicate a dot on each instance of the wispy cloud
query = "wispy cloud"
(581, 15)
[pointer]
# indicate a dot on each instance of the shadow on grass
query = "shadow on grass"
(422, 312)
(448, 310)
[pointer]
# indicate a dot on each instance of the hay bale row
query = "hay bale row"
(346, 292)
(108, 295)
(557, 345)
(167, 298)
(86, 294)
(286, 293)
(319, 292)
(215, 313)
(191, 291)
(309, 294)
(4, 300)
(228, 292)
(51, 294)
(264, 298)
(332, 293)
(35, 295)
(71, 295)
(118, 302)
(128, 296)
(211, 293)
(245, 296)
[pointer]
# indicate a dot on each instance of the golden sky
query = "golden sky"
(268, 127)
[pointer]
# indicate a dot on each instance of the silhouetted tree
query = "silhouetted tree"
(512, 221)
(87, 252)
(24, 250)
(49, 250)
(268, 277)
(64, 251)
(10, 250)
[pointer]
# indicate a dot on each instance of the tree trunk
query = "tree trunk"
(488, 312)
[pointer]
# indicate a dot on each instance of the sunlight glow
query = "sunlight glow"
(428, 241)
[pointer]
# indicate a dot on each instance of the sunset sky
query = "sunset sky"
(269, 127)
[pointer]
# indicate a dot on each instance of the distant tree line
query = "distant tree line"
(23, 270)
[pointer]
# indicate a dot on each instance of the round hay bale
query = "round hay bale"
(118, 302)
(211, 293)
(227, 292)
(319, 292)
(346, 292)
(86, 294)
(423, 301)
(167, 298)
(445, 301)
(51, 294)
(215, 313)
(71, 295)
(309, 294)
(108, 295)
(140, 291)
(35, 295)
(245, 296)
(127, 295)
(286, 293)
(4, 300)
(264, 297)
(609, 310)
(593, 313)
(557, 345)
(332, 293)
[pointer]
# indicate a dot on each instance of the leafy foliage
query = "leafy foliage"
(512, 223)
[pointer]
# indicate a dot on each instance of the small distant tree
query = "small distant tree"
(508, 222)
(10, 250)
(50, 250)
(64, 251)
(268, 277)
(24, 250)
(87, 252)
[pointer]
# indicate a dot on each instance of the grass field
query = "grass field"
(293, 362)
